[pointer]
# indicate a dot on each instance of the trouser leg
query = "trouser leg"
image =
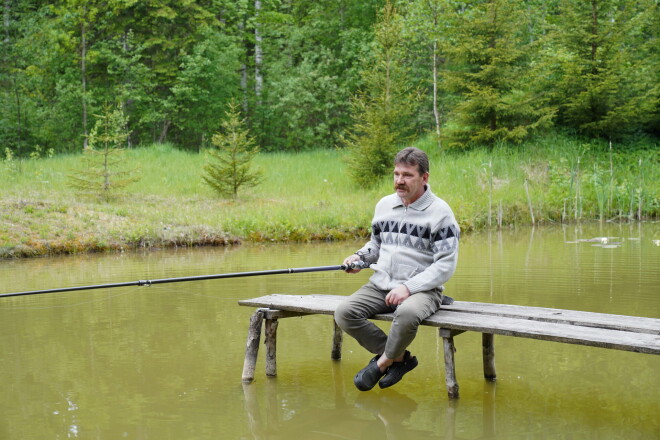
(353, 313)
(407, 317)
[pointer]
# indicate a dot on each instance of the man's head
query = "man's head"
(413, 156)
(411, 174)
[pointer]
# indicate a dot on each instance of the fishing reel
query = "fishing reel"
(357, 265)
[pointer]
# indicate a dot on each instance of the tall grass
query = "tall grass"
(309, 196)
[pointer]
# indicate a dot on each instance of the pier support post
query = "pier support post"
(271, 346)
(252, 346)
(488, 349)
(450, 366)
(337, 340)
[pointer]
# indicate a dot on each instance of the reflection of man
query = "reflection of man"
(414, 243)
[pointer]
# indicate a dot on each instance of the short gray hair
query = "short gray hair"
(413, 156)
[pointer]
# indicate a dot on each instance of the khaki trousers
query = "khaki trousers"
(352, 316)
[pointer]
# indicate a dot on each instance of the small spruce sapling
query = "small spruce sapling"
(103, 173)
(228, 165)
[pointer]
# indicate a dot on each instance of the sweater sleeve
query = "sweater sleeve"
(445, 257)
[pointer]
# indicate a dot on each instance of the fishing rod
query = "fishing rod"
(355, 265)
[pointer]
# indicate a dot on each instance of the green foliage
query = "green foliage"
(504, 69)
(497, 102)
(603, 59)
(104, 172)
(383, 111)
(321, 47)
(228, 167)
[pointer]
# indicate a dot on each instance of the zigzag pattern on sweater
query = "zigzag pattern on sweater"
(416, 236)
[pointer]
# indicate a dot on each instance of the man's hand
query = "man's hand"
(397, 295)
(352, 259)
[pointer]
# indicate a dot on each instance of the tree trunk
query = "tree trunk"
(594, 33)
(436, 113)
(6, 40)
(163, 132)
(6, 22)
(83, 71)
(258, 55)
(244, 67)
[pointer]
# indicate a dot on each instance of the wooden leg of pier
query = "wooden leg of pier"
(450, 366)
(271, 347)
(252, 346)
(337, 340)
(488, 348)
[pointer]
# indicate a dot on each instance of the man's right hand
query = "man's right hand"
(349, 260)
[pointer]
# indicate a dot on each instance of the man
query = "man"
(414, 245)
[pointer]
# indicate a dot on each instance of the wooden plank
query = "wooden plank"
(571, 330)
(319, 304)
(591, 319)
(548, 331)
(326, 304)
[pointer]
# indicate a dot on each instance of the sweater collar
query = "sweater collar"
(420, 204)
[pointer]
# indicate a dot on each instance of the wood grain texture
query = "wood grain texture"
(618, 332)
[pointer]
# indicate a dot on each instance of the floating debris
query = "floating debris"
(601, 240)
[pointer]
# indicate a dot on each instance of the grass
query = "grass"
(308, 196)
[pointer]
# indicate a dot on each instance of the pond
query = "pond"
(165, 362)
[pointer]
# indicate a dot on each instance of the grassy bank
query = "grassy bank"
(308, 196)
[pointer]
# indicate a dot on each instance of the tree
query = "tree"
(104, 173)
(383, 110)
(427, 33)
(497, 102)
(603, 63)
(228, 167)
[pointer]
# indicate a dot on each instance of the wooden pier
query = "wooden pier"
(619, 332)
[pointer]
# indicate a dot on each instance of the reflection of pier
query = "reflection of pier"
(375, 414)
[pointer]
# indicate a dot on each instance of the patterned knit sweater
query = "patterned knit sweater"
(416, 245)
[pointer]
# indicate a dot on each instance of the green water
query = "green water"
(165, 362)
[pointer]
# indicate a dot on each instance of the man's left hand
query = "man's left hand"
(397, 295)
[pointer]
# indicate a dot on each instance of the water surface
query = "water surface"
(165, 362)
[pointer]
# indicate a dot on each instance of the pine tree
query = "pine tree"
(384, 109)
(104, 173)
(228, 166)
(491, 56)
(604, 65)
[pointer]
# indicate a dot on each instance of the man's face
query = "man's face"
(408, 183)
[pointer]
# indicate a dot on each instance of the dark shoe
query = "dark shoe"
(397, 370)
(447, 300)
(369, 376)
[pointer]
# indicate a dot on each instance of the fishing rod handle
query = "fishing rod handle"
(358, 265)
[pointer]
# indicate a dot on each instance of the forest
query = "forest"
(305, 73)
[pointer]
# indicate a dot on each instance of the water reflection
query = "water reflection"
(369, 415)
